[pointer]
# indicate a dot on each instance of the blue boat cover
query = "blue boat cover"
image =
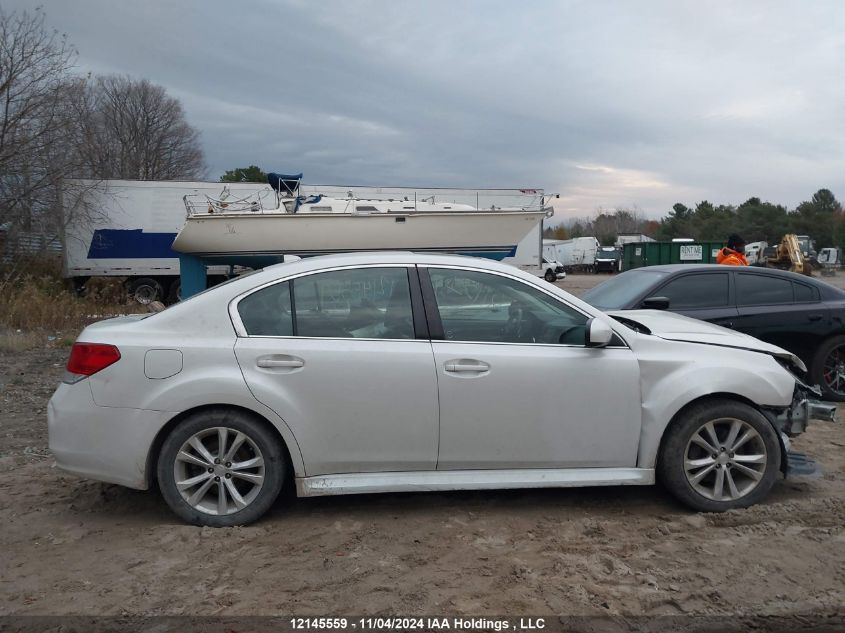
(284, 183)
(300, 200)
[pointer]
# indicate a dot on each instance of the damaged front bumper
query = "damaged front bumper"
(793, 420)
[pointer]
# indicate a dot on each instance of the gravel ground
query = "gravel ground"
(70, 546)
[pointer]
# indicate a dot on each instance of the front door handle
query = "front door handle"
(279, 361)
(727, 324)
(466, 365)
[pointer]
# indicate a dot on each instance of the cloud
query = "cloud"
(609, 103)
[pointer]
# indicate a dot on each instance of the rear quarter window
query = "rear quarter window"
(762, 290)
(267, 312)
(805, 293)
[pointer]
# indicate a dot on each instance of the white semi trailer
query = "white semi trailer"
(534, 255)
(124, 228)
(577, 254)
(629, 238)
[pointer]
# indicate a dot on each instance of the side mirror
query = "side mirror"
(656, 303)
(598, 333)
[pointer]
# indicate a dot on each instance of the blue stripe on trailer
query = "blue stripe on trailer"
(131, 244)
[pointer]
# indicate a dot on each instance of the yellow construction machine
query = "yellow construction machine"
(789, 256)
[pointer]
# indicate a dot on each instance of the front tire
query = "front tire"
(719, 455)
(550, 276)
(828, 368)
(221, 468)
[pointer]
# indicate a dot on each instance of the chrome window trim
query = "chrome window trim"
(554, 345)
(532, 285)
(241, 332)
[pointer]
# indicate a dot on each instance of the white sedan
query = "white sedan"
(394, 372)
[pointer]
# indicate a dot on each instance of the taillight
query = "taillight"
(89, 358)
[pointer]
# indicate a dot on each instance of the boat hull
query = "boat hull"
(492, 234)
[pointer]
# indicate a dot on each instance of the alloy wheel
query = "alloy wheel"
(725, 459)
(219, 471)
(833, 371)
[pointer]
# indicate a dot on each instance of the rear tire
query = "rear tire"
(79, 286)
(174, 293)
(735, 466)
(827, 369)
(144, 290)
(207, 485)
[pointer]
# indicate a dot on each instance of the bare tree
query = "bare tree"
(135, 130)
(606, 225)
(34, 65)
(56, 128)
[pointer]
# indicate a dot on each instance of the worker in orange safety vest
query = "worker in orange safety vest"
(734, 253)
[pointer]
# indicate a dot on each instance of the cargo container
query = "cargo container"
(639, 254)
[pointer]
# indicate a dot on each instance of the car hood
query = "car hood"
(676, 327)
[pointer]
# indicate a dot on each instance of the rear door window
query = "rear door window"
(358, 303)
(752, 290)
(704, 290)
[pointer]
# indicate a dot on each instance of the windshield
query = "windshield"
(619, 292)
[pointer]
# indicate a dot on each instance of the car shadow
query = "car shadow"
(146, 508)
(609, 501)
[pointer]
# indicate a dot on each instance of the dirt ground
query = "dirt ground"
(69, 546)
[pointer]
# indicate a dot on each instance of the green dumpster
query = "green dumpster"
(639, 254)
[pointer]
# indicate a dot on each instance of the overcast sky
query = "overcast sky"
(609, 103)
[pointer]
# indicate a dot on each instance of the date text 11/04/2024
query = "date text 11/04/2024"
(418, 623)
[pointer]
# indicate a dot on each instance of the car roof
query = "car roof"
(755, 270)
(829, 291)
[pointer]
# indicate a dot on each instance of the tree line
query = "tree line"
(56, 124)
(822, 217)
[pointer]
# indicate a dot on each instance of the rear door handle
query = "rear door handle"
(727, 324)
(279, 362)
(815, 317)
(466, 365)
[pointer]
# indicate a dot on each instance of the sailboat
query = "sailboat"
(280, 219)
